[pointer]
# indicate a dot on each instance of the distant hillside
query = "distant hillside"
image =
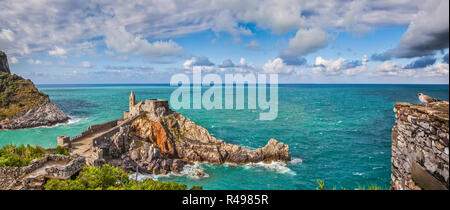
(21, 103)
(18, 95)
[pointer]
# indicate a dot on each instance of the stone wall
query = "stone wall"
(10, 177)
(74, 165)
(420, 137)
(150, 106)
(105, 137)
(95, 128)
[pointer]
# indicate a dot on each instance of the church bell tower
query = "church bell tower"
(132, 101)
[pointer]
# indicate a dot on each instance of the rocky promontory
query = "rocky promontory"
(22, 105)
(154, 139)
(45, 114)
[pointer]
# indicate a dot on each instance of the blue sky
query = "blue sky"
(334, 41)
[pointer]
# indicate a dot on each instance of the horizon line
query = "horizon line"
(246, 84)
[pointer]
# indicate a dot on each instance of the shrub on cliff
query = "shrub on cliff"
(321, 186)
(61, 151)
(18, 95)
(18, 156)
(109, 178)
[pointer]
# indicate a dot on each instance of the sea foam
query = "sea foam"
(188, 170)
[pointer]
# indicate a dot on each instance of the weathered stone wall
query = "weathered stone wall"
(104, 137)
(11, 177)
(8, 175)
(150, 106)
(420, 137)
(94, 129)
(75, 164)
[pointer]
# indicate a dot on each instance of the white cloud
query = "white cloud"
(69, 23)
(357, 69)
(57, 51)
(279, 16)
(14, 60)
(39, 62)
(124, 42)
(329, 67)
(253, 45)
(427, 33)
(436, 70)
(394, 69)
(241, 67)
(188, 64)
(199, 62)
(306, 41)
(276, 66)
(86, 64)
(31, 61)
(389, 68)
(111, 53)
(339, 66)
(6, 37)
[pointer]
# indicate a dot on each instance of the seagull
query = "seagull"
(426, 99)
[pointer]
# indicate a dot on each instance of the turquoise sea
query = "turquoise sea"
(338, 133)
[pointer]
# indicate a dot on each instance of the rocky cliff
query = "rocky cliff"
(45, 114)
(22, 105)
(164, 141)
(4, 67)
(420, 137)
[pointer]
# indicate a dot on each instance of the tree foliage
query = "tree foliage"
(110, 178)
(61, 151)
(18, 156)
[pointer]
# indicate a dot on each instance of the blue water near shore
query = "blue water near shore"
(338, 133)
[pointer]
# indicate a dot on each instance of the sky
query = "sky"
(303, 41)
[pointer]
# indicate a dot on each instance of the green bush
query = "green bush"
(61, 151)
(197, 188)
(110, 178)
(18, 156)
(321, 186)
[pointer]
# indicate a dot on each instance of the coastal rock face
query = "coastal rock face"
(46, 114)
(22, 105)
(155, 133)
(134, 154)
(420, 139)
(4, 67)
(178, 137)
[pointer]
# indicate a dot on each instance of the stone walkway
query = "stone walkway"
(83, 146)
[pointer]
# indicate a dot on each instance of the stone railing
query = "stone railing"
(75, 164)
(94, 129)
(420, 137)
(97, 140)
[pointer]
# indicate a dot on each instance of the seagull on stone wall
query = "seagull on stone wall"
(426, 99)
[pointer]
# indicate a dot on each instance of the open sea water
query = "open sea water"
(338, 133)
